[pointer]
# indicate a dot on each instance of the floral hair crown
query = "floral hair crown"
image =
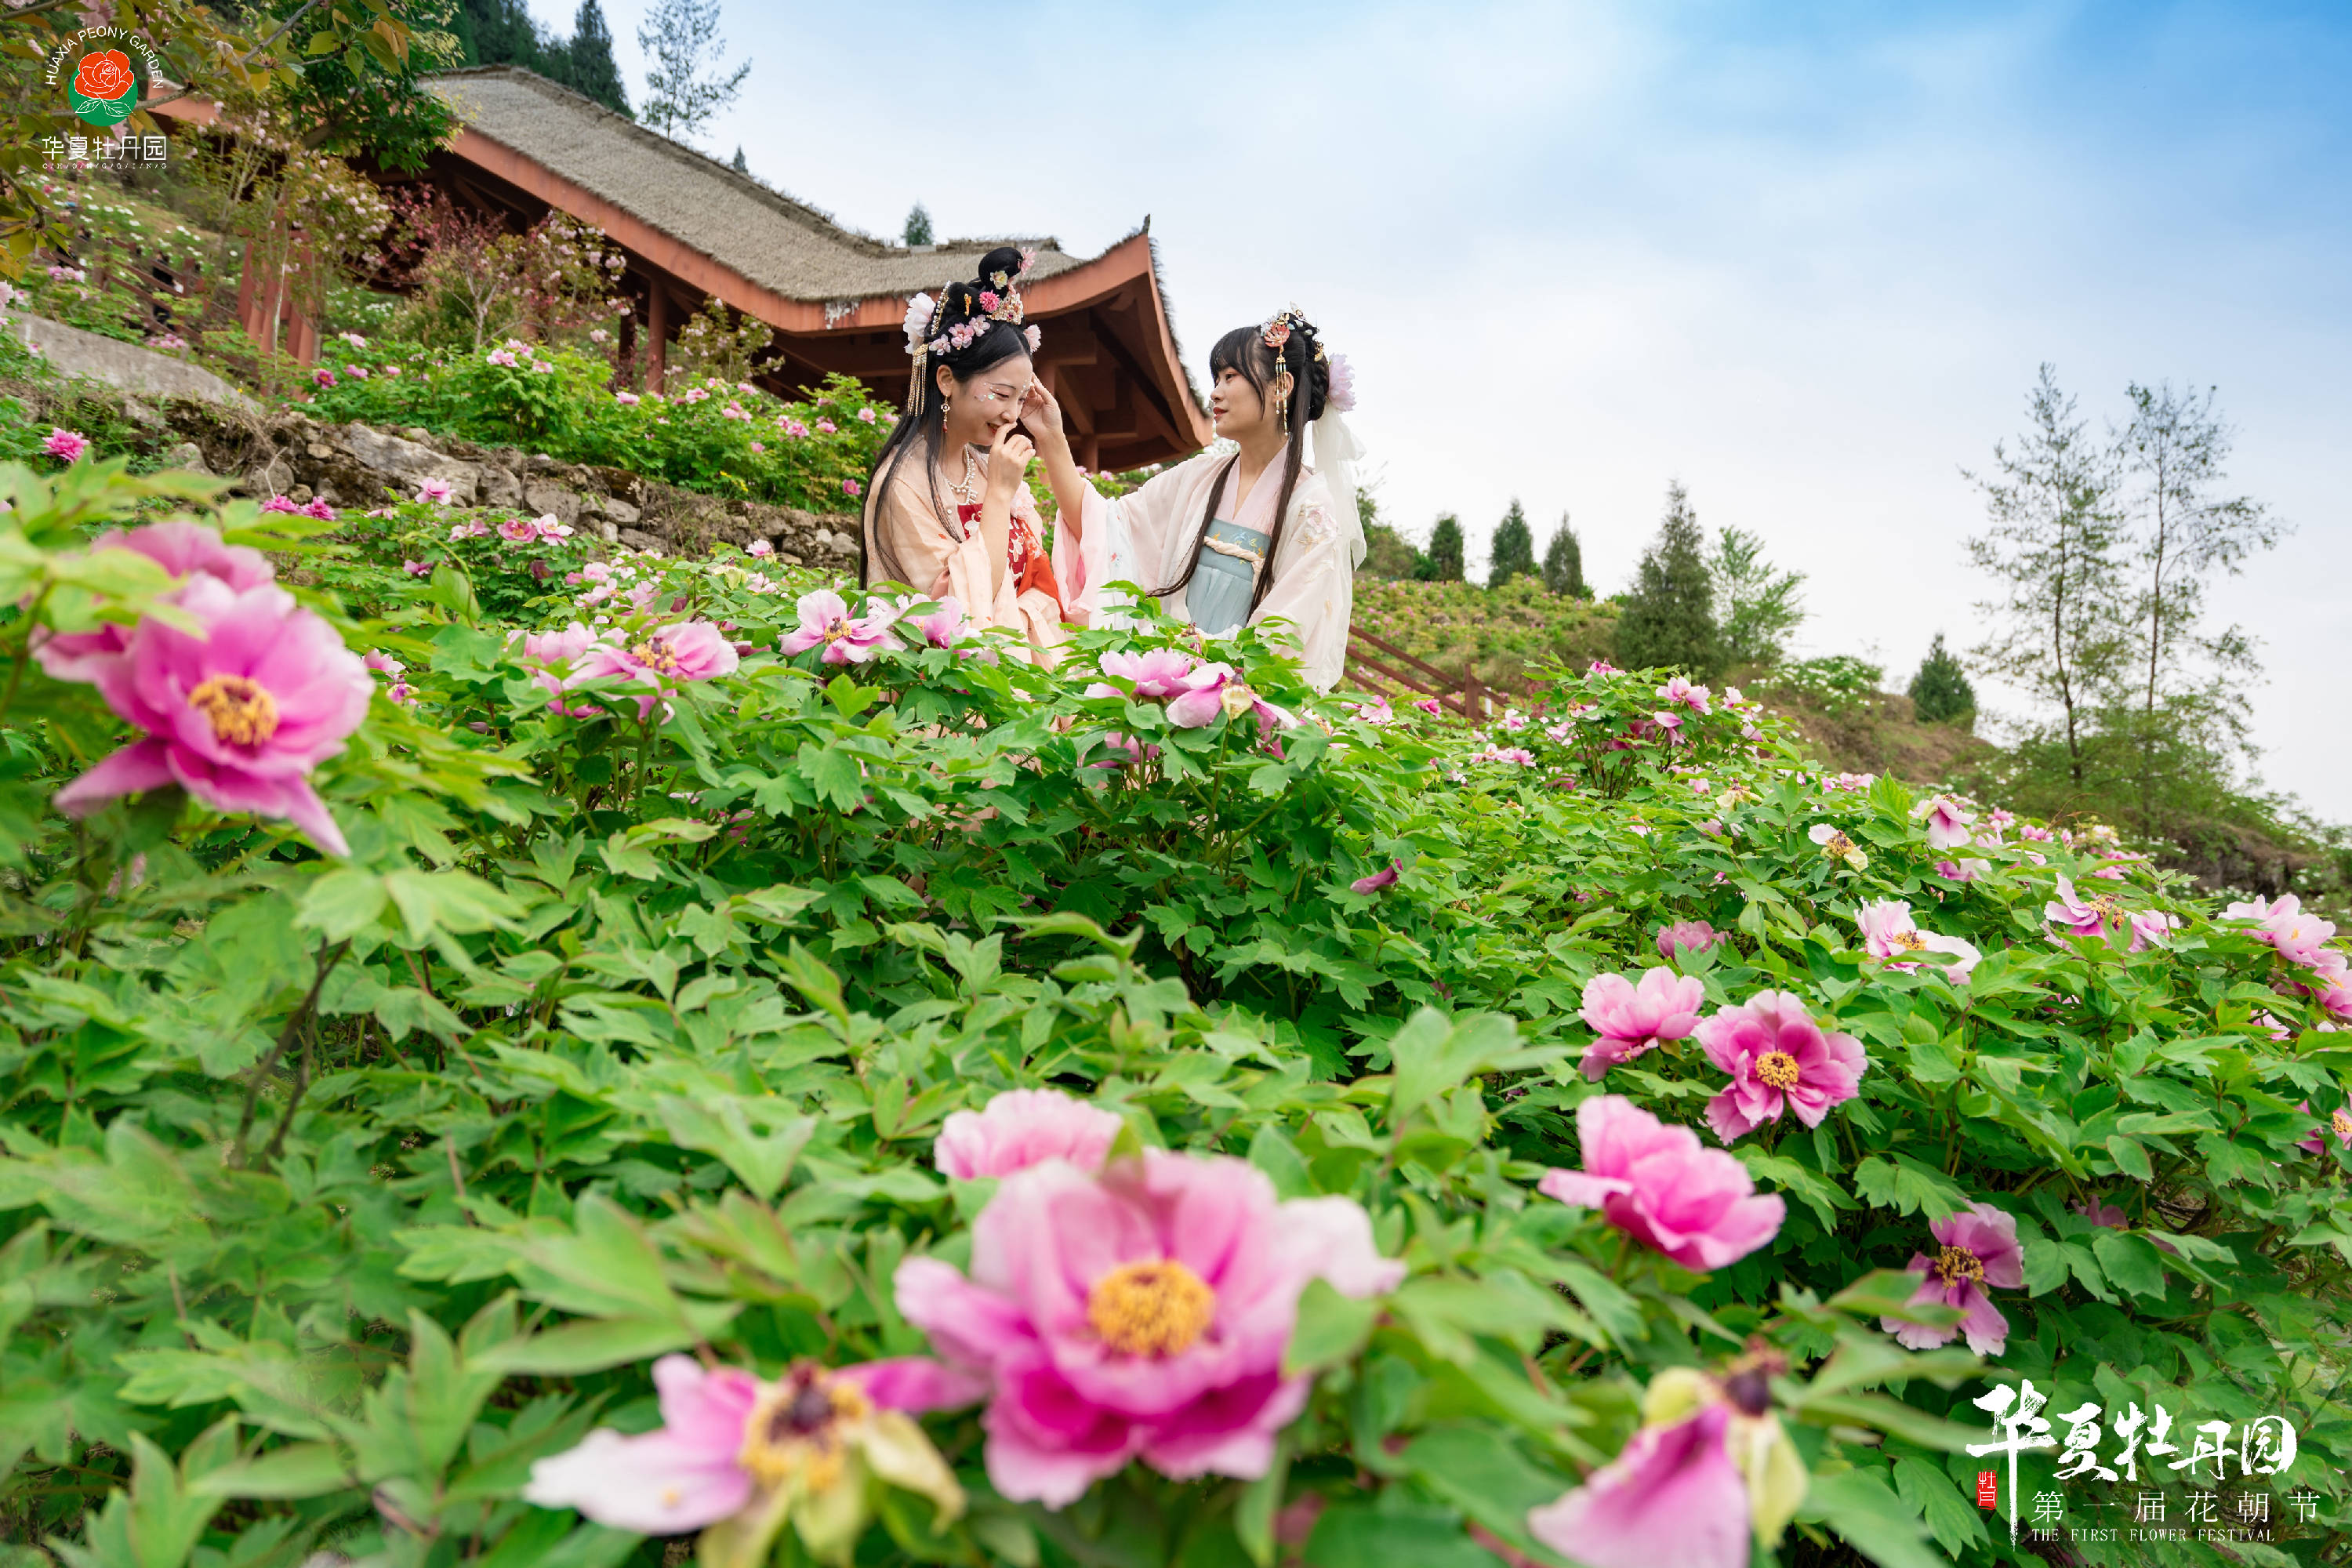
(997, 300)
(1279, 328)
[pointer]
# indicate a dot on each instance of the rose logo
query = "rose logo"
(104, 89)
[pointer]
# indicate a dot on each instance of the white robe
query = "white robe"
(1142, 537)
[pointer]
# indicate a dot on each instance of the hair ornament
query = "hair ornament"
(1033, 337)
(1341, 394)
(919, 310)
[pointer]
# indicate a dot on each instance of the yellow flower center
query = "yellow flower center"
(242, 711)
(1156, 1307)
(1910, 940)
(1236, 700)
(1837, 843)
(795, 1429)
(1958, 1265)
(1778, 1069)
(657, 656)
(2342, 1123)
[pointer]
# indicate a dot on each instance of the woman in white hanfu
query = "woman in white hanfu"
(946, 511)
(1240, 534)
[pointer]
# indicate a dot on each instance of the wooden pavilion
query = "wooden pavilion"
(693, 229)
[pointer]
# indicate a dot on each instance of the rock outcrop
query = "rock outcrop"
(357, 466)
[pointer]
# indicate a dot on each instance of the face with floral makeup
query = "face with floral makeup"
(977, 409)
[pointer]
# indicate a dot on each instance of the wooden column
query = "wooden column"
(656, 334)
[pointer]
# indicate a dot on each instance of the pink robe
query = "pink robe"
(948, 556)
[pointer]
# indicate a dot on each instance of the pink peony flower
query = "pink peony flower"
(944, 626)
(1947, 821)
(2103, 1213)
(2330, 985)
(1962, 870)
(182, 549)
(284, 505)
(1342, 393)
(519, 531)
(826, 622)
(1021, 1128)
(381, 662)
(1430, 705)
(418, 568)
(1159, 672)
(1376, 712)
(434, 492)
(1687, 936)
(1379, 881)
(1778, 1058)
(319, 508)
(849, 486)
(1679, 690)
(826, 426)
(2298, 935)
(1210, 689)
(2339, 1121)
(238, 714)
(865, 415)
(728, 1441)
(1671, 1499)
(323, 376)
(1698, 1207)
(1887, 932)
(1139, 1312)
(1980, 1250)
(1631, 1019)
(759, 547)
(358, 372)
(67, 444)
(757, 447)
(626, 398)
(662, 659)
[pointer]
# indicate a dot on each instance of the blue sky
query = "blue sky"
(1805, 259)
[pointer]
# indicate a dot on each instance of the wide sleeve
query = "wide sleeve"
(1314, 588)
(912, 543)
(1121, 540)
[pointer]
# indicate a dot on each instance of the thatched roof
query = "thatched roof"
(768, 238)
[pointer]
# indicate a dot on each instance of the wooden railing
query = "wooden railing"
(1383, 669)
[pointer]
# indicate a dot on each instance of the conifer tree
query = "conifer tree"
(1940, 692)
(1668, 621)
(739, 166)
(1563, 564)
(1513, 553)
(1445, 549)
(918, 226)
(592, 71)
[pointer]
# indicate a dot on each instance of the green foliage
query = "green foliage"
(1757, 604)
(1512, 551)
(1500, 634)
(1563, 563)
(1940, 692)
(366, 97)
(917, 230)
(1445, 550)
(701, 435)
(337, 1193)
(1837, 684)
(1669, 617)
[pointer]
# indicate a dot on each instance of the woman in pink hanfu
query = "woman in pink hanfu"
(946, 511)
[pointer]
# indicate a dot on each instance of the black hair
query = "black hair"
(1246, 350)
(922, 427)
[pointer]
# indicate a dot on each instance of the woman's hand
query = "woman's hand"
(1008, 461)
(1041, 414)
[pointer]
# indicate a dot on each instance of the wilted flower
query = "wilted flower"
(1779, 1057)
(1696, 1205)
(738, 1458)
(1378, 881)
(1631, 1019)
(1138, 1312)
(1836, 845)
(1980, 1250)
(1021, 1128)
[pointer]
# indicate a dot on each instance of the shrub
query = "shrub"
(341, 1195)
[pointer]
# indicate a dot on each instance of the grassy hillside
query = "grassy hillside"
(1499, 634)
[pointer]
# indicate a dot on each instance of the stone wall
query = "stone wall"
(356, 466)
